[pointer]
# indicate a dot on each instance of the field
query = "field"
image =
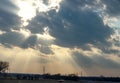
(48, 81)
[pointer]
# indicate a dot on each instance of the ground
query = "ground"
(48, 81)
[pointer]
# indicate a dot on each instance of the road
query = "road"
(47, 81)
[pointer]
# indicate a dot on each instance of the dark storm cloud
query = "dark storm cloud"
(85, 27)
(46, 50)
(31, 41)
(112, 10)
(100, 61)
(46, 2)
(113, 6)
(7, 4)
(79, 3)
(8, 19)
(38, 23)
(12, 38)
(108, 49)
(72, 26)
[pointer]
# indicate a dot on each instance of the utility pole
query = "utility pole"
(81, 74)
(44, 70)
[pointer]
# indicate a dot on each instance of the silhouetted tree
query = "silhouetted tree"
(3, 66)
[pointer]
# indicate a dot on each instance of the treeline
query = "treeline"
(110, 79)
(15, 76)
(73, 77)
(19, 76)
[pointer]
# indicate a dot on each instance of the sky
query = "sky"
(64, 36)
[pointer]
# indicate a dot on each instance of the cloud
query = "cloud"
(46, 50)
(8, 19)
(72, 26)
(8, 4)
(31, 41)
(12, 39)
(90, 61)
(113, 7)
(38, 23)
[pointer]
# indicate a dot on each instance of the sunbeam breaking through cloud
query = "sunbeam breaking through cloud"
(28, 8)
(83, 35)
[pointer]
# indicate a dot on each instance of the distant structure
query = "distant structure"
(44, 70)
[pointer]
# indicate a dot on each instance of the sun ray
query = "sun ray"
(28, 8)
